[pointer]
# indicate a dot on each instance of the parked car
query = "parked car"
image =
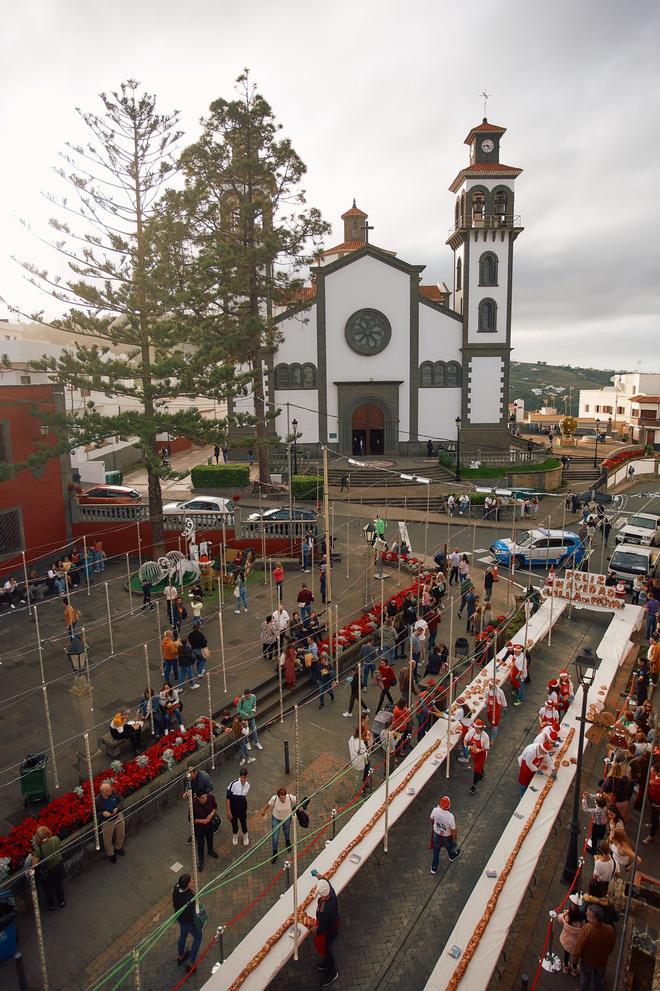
(120, 494)
(630, 560)
(277, 515)
(541, 547)
(201, 504)
(640, 528)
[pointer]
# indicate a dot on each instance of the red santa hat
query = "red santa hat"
(553, 735)
(478, 723)
(445, 802)
(563, 674)
(553, 683)
(509, 644)
(517, 647)
(547, 745)
(550, 703)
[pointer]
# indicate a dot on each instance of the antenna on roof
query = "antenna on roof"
(486, 97)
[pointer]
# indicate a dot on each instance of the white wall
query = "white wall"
(440, 337)
(298, 338)
(485, 384)
(498, 293)
(438, 409)
(308, 421)
(368, 282)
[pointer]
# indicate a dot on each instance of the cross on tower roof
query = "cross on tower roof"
(486, 97)
(366, 227)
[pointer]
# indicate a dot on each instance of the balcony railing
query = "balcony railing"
(112, 512)
(487, 222)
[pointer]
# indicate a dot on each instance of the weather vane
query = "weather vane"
(486, 97)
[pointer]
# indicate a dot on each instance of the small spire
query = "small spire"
(354, 203)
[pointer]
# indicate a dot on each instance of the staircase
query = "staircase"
(368, 477)
(581, 474)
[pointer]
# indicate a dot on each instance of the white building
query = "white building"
(374, 362)
(614, 406)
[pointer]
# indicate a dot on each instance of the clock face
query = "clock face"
(487, 146)
(368, 332)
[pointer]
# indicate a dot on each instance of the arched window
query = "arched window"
(487, 316)
(478, 205)
(426, 375)
(308, 376)
(281, 376)
(439, 374)
(454, 375)
(488, 269)
(459, 274)
(457, 211)
(500, 203)
(295, 377)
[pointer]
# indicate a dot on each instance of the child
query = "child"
(572, 923)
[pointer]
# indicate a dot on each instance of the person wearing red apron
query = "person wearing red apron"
(549, 715)
(496, 703)
(535, 757)
(566, 692)
(478, 744)
(548, 733)
(518, 673)
(464, 716)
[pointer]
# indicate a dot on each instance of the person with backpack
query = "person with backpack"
(236, 796)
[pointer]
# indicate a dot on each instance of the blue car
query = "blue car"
(542, 547)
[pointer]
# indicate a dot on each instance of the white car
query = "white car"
(640, 528)
(201, 504)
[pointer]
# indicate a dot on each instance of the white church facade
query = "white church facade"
(373, 362)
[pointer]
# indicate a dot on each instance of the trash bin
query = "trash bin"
(461, 647)
(114, 478)
(7, 925)
(34, 778)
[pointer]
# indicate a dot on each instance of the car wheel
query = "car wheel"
(520, 562)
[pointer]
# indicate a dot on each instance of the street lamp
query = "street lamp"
(294, 424)
(586, 665)
(596, 447)
(77, 653)
(458, 448)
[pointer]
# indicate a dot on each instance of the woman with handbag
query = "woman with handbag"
(200, 649)
(173, 708)
(617, 788)
(205, 812)
(281, 807)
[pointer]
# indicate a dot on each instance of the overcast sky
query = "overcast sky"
(377, 98)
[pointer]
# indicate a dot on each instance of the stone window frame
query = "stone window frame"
(296, 376)
(487, 316)
(489, 269)
(440, 375)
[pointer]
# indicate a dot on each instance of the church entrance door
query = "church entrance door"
(368, 430)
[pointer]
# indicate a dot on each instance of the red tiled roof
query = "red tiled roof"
(485, 126)
(645, 399)
(344, 246)
(486, 169)
(433, 292)
(354, 212)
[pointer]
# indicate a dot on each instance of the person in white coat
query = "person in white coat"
(358, 749)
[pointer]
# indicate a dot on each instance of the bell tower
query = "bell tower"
(485, 227)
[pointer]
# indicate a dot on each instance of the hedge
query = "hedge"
(307, 487)
(231, 475)
(499, 471)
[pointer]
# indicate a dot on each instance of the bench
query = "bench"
(113, 747)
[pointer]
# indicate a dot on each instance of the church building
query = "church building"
(372, 361)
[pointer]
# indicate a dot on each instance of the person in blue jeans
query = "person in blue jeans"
(183, 900)
(240, 593)
(281, 808)
(186, 662)
(198, 644)
(444, 832)
(247, 710)
(651, 613)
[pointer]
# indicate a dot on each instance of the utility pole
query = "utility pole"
(328, 547)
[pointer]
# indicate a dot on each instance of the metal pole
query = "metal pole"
(193, 848)
(107, 605)
(279, 684)
(160, 631)
(387, 792)
(512, 559)
(295, 886)
(128, 575)
(211, 737)
(359, 678)
(27, 584)
(426, 522)
(136, 969)
(296, 751)
(86, 564)
(221, 630)
(382, 613)
(263, 536)
(449, 705)
(288, 458)
(39, 648)
(20, 972)
(272, 598)
(410, 673)
(571, 863)
(92, 796)
(151, 706)
(39, 929)
(49, 725)
(348, 544)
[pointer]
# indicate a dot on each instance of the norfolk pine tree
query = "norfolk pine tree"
(115, 292)
(252, 234)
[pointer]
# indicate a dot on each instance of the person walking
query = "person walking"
(247, 710)
(281, 807)
(186, 660)
(205, 809)
(385, 679)
(368, 654)
(478, 745)
(326, 679)
(307, 551)
(268, 637)
(237, 792)
(304, 603)
(496, 703)
(326, 929)
(48, 855)
(354, 682)
(443, 832)
(358, 750)
(199, 646)
(593, 946)
(216, 453)
(240, 592)
(109, 806)
(278, 578)
(169, 649)
(183, 901)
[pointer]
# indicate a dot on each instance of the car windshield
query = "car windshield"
(526, 539)
(629, 561)
(642, 523)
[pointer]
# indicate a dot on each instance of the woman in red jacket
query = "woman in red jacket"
(385, 679)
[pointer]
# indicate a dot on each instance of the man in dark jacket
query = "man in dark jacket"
(327, 926)
(183, 900)
(594, 944)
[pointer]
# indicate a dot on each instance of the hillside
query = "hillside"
(541, 384)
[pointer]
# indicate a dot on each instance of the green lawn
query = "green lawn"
(498, 471)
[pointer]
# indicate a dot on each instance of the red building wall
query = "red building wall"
(40, 493)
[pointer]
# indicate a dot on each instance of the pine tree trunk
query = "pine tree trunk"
(156, 513)
(260, 417)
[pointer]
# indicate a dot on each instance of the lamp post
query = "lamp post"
(586, 665)
(294, 424)
(458, 448)
(77, 654)
(596, 447)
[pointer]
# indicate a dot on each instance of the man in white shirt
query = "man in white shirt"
(534, 758)
(280, 624)
(454, 561)
(444, 832)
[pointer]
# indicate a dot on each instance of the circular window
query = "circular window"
(368, 331)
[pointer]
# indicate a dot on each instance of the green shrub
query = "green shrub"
(500, 471)
(227, 476)
(446, 459)
(307, 487)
